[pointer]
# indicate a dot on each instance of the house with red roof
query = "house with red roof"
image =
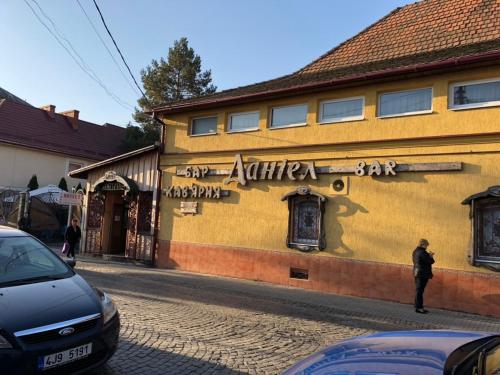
(49, 144)
(328, 177)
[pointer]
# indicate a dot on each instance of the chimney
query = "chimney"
(73, 114)
(51, 109)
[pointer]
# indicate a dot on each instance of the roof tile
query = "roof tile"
(28, 126)
(420, 33)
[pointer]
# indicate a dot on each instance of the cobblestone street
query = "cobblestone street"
(181, 323)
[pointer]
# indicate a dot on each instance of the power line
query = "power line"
(81, 65)
(107, 49)
(118, 49)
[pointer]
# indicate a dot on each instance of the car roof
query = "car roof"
(11, 232)
(425, 349)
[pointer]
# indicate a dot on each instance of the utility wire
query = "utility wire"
(81, 64)
(118, 49)
(107, 49)
(85, 65)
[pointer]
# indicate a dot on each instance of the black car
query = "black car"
(51, 320)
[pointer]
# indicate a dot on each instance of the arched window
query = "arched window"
(305, 220)
(485, 213)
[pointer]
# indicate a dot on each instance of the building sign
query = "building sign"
(197, 172)
(195, 191)
(189, 208)
(111, 186)
(70, 199)
(269, 170)
(298, 171)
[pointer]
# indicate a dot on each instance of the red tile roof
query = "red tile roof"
(427, 33)
(4, 94)
(32, 127)
(422, 27)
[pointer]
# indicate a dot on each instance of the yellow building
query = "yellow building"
(327, 178)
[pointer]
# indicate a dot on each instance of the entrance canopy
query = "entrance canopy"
(114, 182)
(48, 194)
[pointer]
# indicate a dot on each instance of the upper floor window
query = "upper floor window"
(291, 115)
(73, 166)
(475, 94)
(204, 125)
(408, 102)
(342, 110)
(239, 122)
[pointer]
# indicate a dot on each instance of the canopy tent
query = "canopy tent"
(48, 194)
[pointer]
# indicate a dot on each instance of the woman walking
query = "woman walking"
(72, 236)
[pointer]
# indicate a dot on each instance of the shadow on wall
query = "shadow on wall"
(342, 207)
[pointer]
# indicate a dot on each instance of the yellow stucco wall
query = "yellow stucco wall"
(441, 121)
(380, 219)
(18, 164)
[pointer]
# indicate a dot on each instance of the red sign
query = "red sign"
(70, 199)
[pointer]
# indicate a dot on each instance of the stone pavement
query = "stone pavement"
(183, 323)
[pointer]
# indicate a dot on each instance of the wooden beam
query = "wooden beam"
(414, 167)
(429, 167)
(211, 172)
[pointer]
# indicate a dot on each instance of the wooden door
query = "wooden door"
(118, 228)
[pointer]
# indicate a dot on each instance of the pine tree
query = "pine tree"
(33, 183)
(62, 184)
(166, 81)
(79, 187)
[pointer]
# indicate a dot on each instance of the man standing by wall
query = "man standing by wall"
(422, 270)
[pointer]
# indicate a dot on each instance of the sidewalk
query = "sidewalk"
(369, 310)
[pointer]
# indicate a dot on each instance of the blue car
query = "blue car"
(51, 320)
(407, 353)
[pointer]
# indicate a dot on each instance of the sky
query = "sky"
(240, 41)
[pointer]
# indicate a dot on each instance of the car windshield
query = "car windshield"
(24, 260)
(492, 361)
(480, 357)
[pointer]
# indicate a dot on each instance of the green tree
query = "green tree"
(165, 81)
(33, 183)
(62, 184)
(137, 137)
(79, 187)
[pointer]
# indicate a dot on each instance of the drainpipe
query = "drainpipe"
(158, 190)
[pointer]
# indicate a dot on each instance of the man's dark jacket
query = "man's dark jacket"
(73, 235)
(422, 263)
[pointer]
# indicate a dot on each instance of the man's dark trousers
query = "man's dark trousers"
(420, 283)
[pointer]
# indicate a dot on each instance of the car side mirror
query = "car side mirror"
(70, 262)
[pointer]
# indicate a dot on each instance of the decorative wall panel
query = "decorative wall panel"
(130, 247)
(93, 244)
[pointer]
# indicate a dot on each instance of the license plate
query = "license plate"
(70, 355)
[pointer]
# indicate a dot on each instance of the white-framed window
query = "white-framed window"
(204, 125)
(404, 103)
(72, 165)
(243, 121)
(338, 110)
(290, 115)
(475, 94)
